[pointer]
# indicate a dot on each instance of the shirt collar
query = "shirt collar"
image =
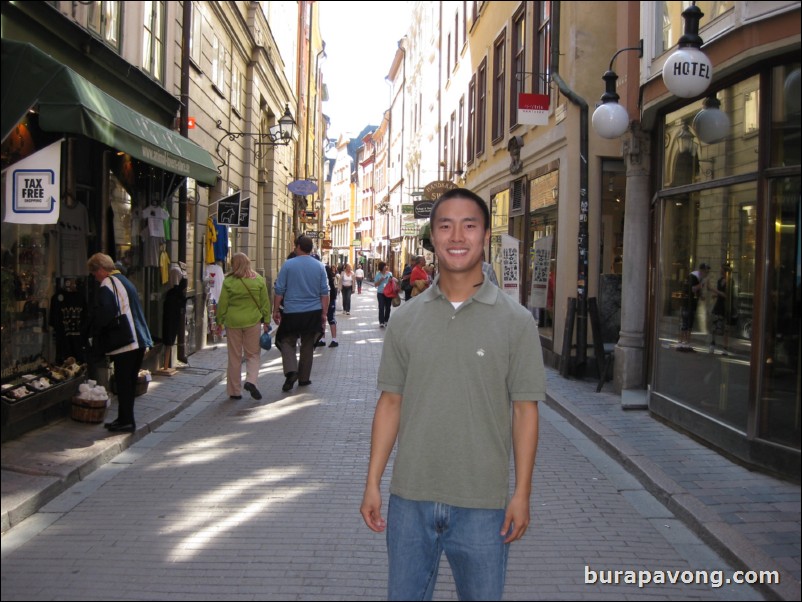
(487, 293)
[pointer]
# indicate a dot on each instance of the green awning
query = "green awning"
(69, 103)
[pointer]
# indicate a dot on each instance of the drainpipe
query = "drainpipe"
(582, 236)
(186, 30)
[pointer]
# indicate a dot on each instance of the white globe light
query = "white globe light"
(610, 120)
(711, 125)
(687, 72)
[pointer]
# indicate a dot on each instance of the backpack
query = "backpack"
(391, 288)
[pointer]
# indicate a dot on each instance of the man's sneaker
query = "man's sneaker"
(334, 344)
(320, 343)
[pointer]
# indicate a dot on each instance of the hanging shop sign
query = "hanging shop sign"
(244, 212)
(422, 209)
(33, 188)
(302, 187)
(533, 109)
(228, 210)
(433, 190)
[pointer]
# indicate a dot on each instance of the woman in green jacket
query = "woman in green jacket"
(243, 304)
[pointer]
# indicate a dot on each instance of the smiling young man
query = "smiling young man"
(460, 377)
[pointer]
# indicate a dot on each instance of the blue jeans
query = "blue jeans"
(419, 532)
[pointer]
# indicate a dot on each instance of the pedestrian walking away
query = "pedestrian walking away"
(359, 273)
(244, 311)
(117, 302)
(455, 425)
(347, 287)
(331, 312)
(385, 303)
(303, 289)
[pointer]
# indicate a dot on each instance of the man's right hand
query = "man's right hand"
(371, 509)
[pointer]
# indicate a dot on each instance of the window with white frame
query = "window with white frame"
(103, 19)
(153, 40)
(196, 35)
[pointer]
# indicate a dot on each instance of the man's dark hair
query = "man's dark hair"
(462, 193)
(305, 243)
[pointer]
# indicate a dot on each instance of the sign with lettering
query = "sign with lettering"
(687, 72)
(33, 188)
(423, 209)
(433, 190)
(228, 210)
(244, 212)
(533, 109)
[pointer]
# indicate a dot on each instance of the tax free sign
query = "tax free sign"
(33, 188)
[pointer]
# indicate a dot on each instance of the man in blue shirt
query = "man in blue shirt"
(303, 289)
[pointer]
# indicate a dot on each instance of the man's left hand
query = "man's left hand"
(516, 519)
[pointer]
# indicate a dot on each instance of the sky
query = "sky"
(361, 41)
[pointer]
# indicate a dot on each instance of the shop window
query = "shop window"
(780, 391)
(785, 115)
(715, 227)
(542, 256)
(687, 159)
(611, 251)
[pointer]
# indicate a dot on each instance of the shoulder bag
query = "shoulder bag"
(118, 332)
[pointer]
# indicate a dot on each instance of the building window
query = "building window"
(236, 90)
(196, 35)
(103, 19)
(220, 61)
(481, 107)
(499, 86)
(461, 135)
(542, 49)
(444, 162)
(153, 42)
(452, 145)
(518, 73)
(469, 143)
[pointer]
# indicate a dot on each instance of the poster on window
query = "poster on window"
(540, 272)
(510, 265)
(33, 188)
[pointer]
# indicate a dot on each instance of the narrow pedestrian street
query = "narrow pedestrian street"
(259, 500)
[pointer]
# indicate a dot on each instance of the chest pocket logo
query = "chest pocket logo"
(480, 352)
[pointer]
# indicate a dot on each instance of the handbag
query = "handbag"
(118, 332)
(391, 288)
(396, 301)
(265, 342)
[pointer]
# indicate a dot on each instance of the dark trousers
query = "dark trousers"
(126, 372)
(347, 290)
(306, 326)
(385, 303)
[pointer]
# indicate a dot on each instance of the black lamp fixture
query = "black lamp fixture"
(279, 134)
(610, 119)
(686, 73)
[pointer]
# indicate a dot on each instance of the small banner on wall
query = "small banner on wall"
(510, 262)
(540, 272)
(533, 109)
(33, 187)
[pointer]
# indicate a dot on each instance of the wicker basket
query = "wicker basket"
(88, 410)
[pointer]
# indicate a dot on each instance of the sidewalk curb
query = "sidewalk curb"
(108, 448)
(729, 543)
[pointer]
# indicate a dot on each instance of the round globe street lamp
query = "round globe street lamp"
(610, 119)
(711, 124)
(688, 71)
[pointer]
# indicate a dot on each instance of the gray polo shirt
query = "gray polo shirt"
(459, 372)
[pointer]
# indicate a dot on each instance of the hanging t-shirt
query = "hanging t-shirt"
(73, 228)
(152, 234)
(164, 265)
(214, 273)
(221, 244)
(211, 238)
